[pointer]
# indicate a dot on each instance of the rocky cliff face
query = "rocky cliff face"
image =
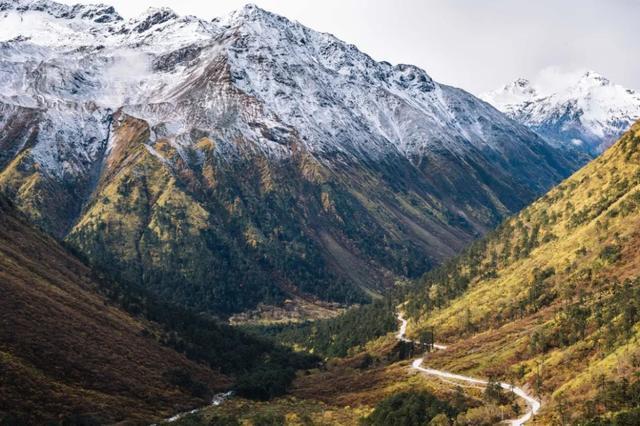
(227, 162)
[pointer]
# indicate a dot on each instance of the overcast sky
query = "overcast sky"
(478, 45)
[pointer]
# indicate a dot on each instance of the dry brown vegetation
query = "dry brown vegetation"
(67, 352)
(344, 391)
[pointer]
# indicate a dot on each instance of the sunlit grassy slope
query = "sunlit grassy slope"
(344, 392)
(552, 298)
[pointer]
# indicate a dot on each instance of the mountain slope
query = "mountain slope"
(248, 159)
(590, 113)
(78, 347)
(550, 299)
(66, 352)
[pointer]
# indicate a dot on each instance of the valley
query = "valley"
(547, 303)
(79, 348)
(393, 375)
(242, 220)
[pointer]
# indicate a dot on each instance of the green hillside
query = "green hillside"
(552, 297)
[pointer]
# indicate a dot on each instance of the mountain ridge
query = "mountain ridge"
(256, 136)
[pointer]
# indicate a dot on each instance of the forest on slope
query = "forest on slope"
(78, 347)
(339, 336)
(235, 171)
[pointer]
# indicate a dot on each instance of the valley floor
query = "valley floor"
(345, 391)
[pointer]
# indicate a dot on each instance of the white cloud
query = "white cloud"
(554, 78)
(123, 75)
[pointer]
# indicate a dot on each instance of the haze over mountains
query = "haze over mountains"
(248, 159)
(589, 112)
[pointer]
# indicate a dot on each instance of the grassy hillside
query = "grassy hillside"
(345, 391)
(552, 297)
(77, 347)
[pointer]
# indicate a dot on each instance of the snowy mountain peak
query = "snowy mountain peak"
(522, 83)
(518, 91)
(250, 13)
(587, 110)
(251, 110)
(252, 10)
(337, 98)
(152, 17)
(520, 86)
(99, 13)
(592, 77)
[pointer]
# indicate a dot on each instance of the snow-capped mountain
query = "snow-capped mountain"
(591, 112)
(337, 96)
(224, 162)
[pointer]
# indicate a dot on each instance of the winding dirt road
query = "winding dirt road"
(532, 403)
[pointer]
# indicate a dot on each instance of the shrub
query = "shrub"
(409, 409)
(182, 379)
(268, 419)
(265, 382)
(223, 420)
(627, 418)
(610, 253)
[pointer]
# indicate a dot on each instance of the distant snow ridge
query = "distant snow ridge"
(591, 112)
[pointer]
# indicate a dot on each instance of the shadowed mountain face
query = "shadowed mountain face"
(247, 159)
(67, 352)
